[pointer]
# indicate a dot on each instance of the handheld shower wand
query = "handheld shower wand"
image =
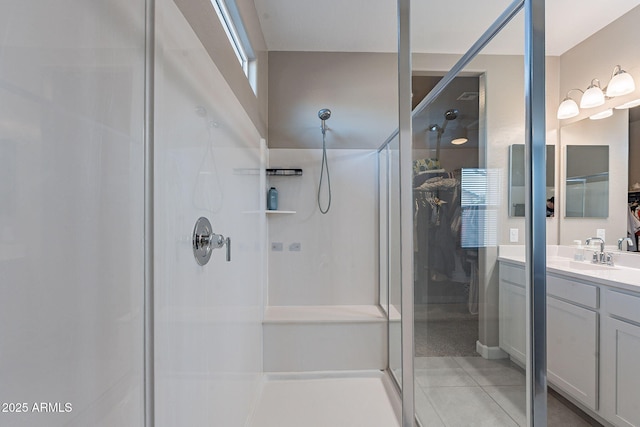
(324, 115)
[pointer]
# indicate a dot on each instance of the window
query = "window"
(232, 23)
(480, 200)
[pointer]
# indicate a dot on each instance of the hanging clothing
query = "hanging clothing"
(633, 225)
(437, 202)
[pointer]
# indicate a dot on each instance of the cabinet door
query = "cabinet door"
(572, 350)
(513, 320)
(621, 372)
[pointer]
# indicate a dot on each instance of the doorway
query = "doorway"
(445, 142)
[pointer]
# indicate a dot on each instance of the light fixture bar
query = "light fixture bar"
(621, 83)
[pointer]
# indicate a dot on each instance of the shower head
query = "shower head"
(451, 114)
(324, 114)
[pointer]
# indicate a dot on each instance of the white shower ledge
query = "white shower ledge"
(324, 338)
(324, 314)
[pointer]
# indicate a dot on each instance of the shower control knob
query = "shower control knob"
(204, 241)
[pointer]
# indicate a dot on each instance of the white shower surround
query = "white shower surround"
(337, 263)
(208, 332)
(71, 212)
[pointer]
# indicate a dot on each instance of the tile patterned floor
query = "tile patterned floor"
(472, 391)
(445, 330)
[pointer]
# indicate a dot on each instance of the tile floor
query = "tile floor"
(472, 391)
(445, 330)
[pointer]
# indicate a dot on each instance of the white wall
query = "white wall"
(208, 156)
(361, 89)
(71, 211)
(337, 263)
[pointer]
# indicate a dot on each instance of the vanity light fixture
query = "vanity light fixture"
(568, 107)
(602, 115)
(621, 83)
(593, 96)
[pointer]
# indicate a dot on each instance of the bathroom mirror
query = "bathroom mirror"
(516, 178)
(587, 181)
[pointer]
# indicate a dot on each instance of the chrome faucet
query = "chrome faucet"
(626, 240)
(598, 257)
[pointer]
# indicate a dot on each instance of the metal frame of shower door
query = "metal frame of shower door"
(535, 182)
(149, 84)
(406, 211)
(535, 218)
(386, 279)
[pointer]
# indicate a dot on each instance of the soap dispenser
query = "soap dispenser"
(578, 254)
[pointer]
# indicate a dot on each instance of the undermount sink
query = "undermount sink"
(579, 265)
(583, 265)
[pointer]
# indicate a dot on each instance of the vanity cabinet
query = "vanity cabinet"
(572, 350)
(593, 340)
(512, 309)
(572, 338)
(620, 365)
(572, 331)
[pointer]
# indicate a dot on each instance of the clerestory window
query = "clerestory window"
(229, 16)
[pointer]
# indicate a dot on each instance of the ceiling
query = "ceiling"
(461, 95)
(437, 27)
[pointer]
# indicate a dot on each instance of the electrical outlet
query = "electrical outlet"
(513, 235)
(276, 246)
(295, 247)
(600, 233)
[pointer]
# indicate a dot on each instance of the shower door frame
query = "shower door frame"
(149, 224)
(535, 193)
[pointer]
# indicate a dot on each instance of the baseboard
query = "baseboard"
(490, 352)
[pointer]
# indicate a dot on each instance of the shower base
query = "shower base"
(321, 399)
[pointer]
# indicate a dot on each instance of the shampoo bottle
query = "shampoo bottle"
(272, 199)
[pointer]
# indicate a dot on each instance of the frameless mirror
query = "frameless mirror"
(516, 180)
(587, 182)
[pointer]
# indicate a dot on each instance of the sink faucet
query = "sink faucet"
(597, 257)
(626, 240)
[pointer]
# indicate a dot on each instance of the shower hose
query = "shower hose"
(324, 165)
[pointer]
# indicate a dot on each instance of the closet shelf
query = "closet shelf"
(284, 172)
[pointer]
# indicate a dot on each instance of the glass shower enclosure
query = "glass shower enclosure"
(462, 124)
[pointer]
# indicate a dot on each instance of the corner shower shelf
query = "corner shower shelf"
(279, 212)
(284, 172)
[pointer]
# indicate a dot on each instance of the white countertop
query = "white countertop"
(625, 274)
